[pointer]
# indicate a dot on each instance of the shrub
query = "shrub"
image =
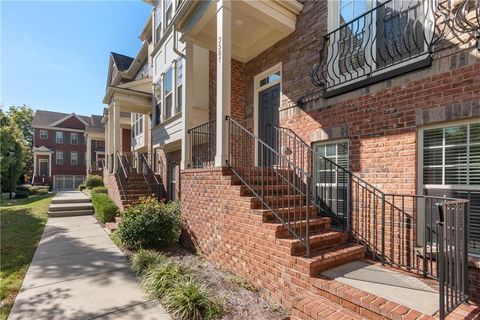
(99, 190)
(142, 260)
(188, 299)
(82, 186)
(161, 278)
(93, 181)
(150, 224)
(21, 195)
(38, 190)
(105, 208)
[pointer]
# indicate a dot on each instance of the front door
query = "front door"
(268, 108)
(43, 168)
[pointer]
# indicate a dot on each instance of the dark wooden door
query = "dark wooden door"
(268, 109)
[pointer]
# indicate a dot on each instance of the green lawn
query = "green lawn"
(21, 226)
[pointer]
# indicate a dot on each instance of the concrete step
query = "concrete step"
(70, 213)
(70, 206)
(62, 201)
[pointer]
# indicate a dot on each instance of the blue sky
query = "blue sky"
(54, 54)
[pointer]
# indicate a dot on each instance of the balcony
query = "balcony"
(393, 38)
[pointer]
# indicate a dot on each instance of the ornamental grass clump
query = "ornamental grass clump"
(142, 260)
(159, 279)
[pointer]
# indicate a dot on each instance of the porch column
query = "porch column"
(107, 137)
(109, 140)
(187, 113)
(89, 153)
(34, 165)
(50, 164)
(224, 76)
(116, 132)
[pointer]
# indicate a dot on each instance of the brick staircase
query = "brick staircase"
(136, 188)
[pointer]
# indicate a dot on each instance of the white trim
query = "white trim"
(59, 128)
(43, 160)
(43, 131)
(67, 117)
(257, 89)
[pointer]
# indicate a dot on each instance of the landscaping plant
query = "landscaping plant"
(82, 186)
(99, 190)
(187, 299)
(161, 278)
(93, 181)
(143, 259)
(105, 208)
(150, 224)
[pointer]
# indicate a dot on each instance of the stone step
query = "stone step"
(70, 213)
(70, 206)
(315, 225)
(62, 201)
(320, 240)
(287, 213)
(324, 259)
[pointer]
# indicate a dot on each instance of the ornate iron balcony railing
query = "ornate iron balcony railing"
(395, 37)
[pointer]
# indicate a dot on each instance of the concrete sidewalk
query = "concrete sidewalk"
(78, 273)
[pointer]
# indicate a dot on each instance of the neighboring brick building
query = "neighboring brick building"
(59, 148)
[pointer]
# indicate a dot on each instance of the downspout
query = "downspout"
(175, 49)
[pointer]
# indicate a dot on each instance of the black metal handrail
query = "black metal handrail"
(150, 177)
(122, 175)
(388, 225)
(279, 185)
(395, 35)
(203, 142)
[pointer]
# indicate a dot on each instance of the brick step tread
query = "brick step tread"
(276, 201)
(308, 307)
(267, 172)
(319, 240)
(255, 180)
(268, 214)
(324, 259)
(268, 188)
(315, 224)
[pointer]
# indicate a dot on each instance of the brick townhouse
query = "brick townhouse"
(60, 148)
(326, 151)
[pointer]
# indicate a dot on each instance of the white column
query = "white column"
(107, 138)
(116, 132)
(187, 112)
(34, 165)
(224, 76)
(89, 153)
(50, 164)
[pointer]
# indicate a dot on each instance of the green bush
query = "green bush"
(105, 208)
(93, 181)
(161, 278)
(21, 195)
(150, 224)
(142, 260)
(82, 186)
(188, 299)
(99, 190)
(34, 190)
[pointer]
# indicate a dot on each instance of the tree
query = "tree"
(11, 139)
(22, 116)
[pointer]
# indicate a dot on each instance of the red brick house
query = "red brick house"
(339, 132)
(59, 148)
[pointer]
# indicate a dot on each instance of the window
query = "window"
(59, 157)
(158, 21)
(451, 168)
(73, 138)
(167, 87)
(331, 184)
(137, 124)
(59, 137)
(168, 12)
(43, 134)
(271, 78)
(179, 84)
(74, 158)
(157, 101)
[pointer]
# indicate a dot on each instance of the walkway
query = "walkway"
(78, 273)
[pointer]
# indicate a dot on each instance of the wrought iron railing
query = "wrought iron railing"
(95, 166)
(279, 184)
(202, 141)
(399, 230)
(150, 177)
(392, 38)
(122, 175)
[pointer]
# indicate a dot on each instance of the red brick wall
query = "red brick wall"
(238, 88)
(73, 123)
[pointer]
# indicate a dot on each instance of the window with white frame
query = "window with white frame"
(158, 21)
(137, 124)
(59, 157)
(179, 83)
(167, 92)
(330, 182)
(451, 168)
(73, 138)
(157, 102)
(59, 137)
(74, 158)
(43, 134)
(168, 12)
